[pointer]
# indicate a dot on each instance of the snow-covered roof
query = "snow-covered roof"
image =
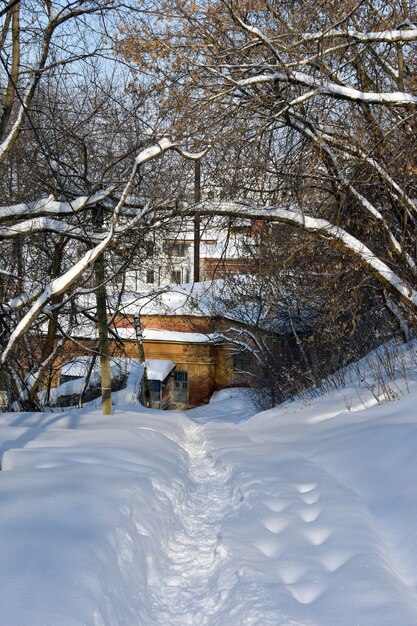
(235, 301)
(151, 334)
(176, 336)
(186, 299)
(158, 369)
(78, 367)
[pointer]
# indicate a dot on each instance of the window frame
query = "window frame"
(242, 362)
(178, 395)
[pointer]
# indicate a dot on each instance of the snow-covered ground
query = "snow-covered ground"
(303, 515)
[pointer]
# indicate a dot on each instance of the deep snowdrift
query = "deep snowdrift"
(298, 516)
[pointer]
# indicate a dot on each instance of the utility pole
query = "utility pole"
(197, 200)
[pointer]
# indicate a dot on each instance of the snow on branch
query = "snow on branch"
(329, 88)
(7, 144)
(51, 207)
(323, 228)
(162, 146)
(258, 34)
(55, 288)
(44, 224)
(350, 148)
(61, 284)
(33, 378)
(389, 36)
(321, 139)
(8, 274)
(233, 335)
(234, 341)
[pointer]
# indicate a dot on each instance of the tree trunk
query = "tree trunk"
(141, 351)
(103, 338)
(45, 372)
(197, 200)
(87, 380)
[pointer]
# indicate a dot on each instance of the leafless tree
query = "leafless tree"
(325, 95)
(73, 145)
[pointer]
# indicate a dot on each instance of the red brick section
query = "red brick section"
(218, 268)
(177, 323)
(200, 391)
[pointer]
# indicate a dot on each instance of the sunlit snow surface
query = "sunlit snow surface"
(304, 515)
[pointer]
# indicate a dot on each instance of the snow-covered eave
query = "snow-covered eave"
(215, 318)
(175, 313)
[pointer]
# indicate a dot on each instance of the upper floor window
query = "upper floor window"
(243, 361)
(150, 276)
(149, 248)
(176, 277)
(176, 248)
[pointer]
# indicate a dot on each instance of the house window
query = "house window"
(176, 277)
(155, 387)
(177, 248)
(150, 248)
(243, 361)
(180, 394)
(150, 276)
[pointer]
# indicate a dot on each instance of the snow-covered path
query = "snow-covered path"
(304, 515)
(189, 592)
